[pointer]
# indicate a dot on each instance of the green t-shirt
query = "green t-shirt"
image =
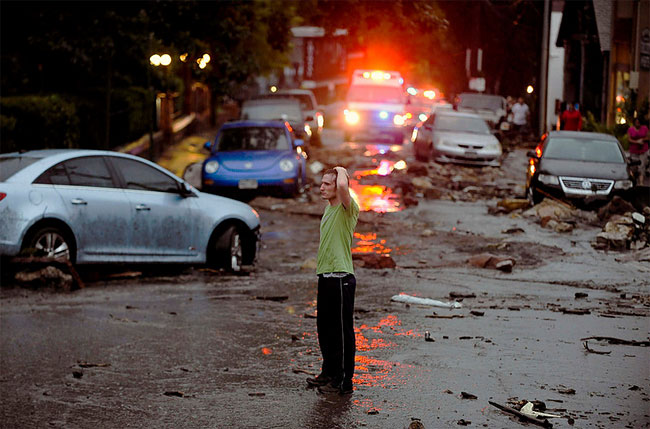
(336, 229)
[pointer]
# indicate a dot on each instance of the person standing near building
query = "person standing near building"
(638, 137)
(520, 115)
(336, 285)
(571, 118)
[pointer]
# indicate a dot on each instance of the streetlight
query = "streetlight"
(529, 89)
(166, 106)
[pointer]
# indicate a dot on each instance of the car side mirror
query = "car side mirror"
(309, 118)
(531, 154)
(298, 142)
(186, 190)
(207, 145)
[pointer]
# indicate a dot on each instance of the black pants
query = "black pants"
(335, 325)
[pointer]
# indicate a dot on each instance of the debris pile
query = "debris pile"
(628, 231)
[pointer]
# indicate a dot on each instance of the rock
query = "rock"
(374, 260)
(617, 206)
(309, 264)
(48, 276)
(487, 260)
(505, 266)
(417, 169)
(638, 218)
(563, 227)
(553, 209)
(510, 204)
(422, 183)
(427, 233)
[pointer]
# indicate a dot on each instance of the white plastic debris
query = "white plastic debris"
(408, 299)
(316, 167)
(528, 410)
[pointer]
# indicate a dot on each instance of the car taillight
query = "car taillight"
(2, 196)
(538, 150)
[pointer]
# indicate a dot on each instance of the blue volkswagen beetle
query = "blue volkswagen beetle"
(249, 158)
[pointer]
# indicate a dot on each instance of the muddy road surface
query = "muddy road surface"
(562, 325)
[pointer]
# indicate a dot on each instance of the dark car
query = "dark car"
(580, 166)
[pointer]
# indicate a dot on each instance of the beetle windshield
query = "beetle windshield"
(252, 138)
(583, 150)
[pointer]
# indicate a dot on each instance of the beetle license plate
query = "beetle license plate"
(471, 154)
(248, 184)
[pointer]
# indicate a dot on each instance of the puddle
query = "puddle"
(368, 243)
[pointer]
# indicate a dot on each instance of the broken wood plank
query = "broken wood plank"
(598, 352)
(539, 422)
(613, 340)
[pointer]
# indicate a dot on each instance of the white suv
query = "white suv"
(313, 115)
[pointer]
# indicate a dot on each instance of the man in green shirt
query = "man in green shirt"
(336, 285)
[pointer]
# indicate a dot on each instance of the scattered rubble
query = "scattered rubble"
(374, 260)
(629, 231)
(487, 260)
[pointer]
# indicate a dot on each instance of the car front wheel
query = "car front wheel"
(228, 251)
(533, 195)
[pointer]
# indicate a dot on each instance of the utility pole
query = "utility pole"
(543, 89)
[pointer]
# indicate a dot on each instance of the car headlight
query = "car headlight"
(623, 184)
(320, 120)
(351, 117)
(398, 120)
(211, 167)
(548, 179)
(492, 146)
(414, 134)
(286, 165)
(307, 129)
(423, 117)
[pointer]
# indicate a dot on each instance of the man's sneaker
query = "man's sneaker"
(346, 387)
(319, 380)
(333, 387)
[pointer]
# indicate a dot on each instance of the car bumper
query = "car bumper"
(462, 156)
(249, 184)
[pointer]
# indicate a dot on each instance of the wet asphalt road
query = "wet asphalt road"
(194, 348)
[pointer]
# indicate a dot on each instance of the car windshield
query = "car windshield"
(583, 150)
(462, 124)
(286, 112)
(478, 101)
(10, 165)
(252, 138)
(375, 94)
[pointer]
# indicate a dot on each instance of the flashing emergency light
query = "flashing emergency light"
(383, 114)
(351, 117)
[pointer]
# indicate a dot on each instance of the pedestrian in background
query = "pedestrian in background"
(571, 118)
(520, 115)
(336, 285)
(638, 137)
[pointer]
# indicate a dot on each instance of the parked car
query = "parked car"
(450, 136)
(492, 108)
(313, 115)
(249, 158)
(279, 109)
(578, 166)
(92, 206)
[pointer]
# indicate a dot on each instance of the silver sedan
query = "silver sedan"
(450, 136)
(99, 206)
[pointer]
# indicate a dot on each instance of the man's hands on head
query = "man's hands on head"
(343, 186)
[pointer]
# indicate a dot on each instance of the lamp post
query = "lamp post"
(166, 104)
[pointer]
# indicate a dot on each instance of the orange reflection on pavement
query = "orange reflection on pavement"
(367, 244)
(377, 198)
(373, 372)
(266, 350)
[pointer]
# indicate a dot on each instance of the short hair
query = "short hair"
(330, 171)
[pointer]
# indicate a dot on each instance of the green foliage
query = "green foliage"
(618, 130)
(34, 122)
